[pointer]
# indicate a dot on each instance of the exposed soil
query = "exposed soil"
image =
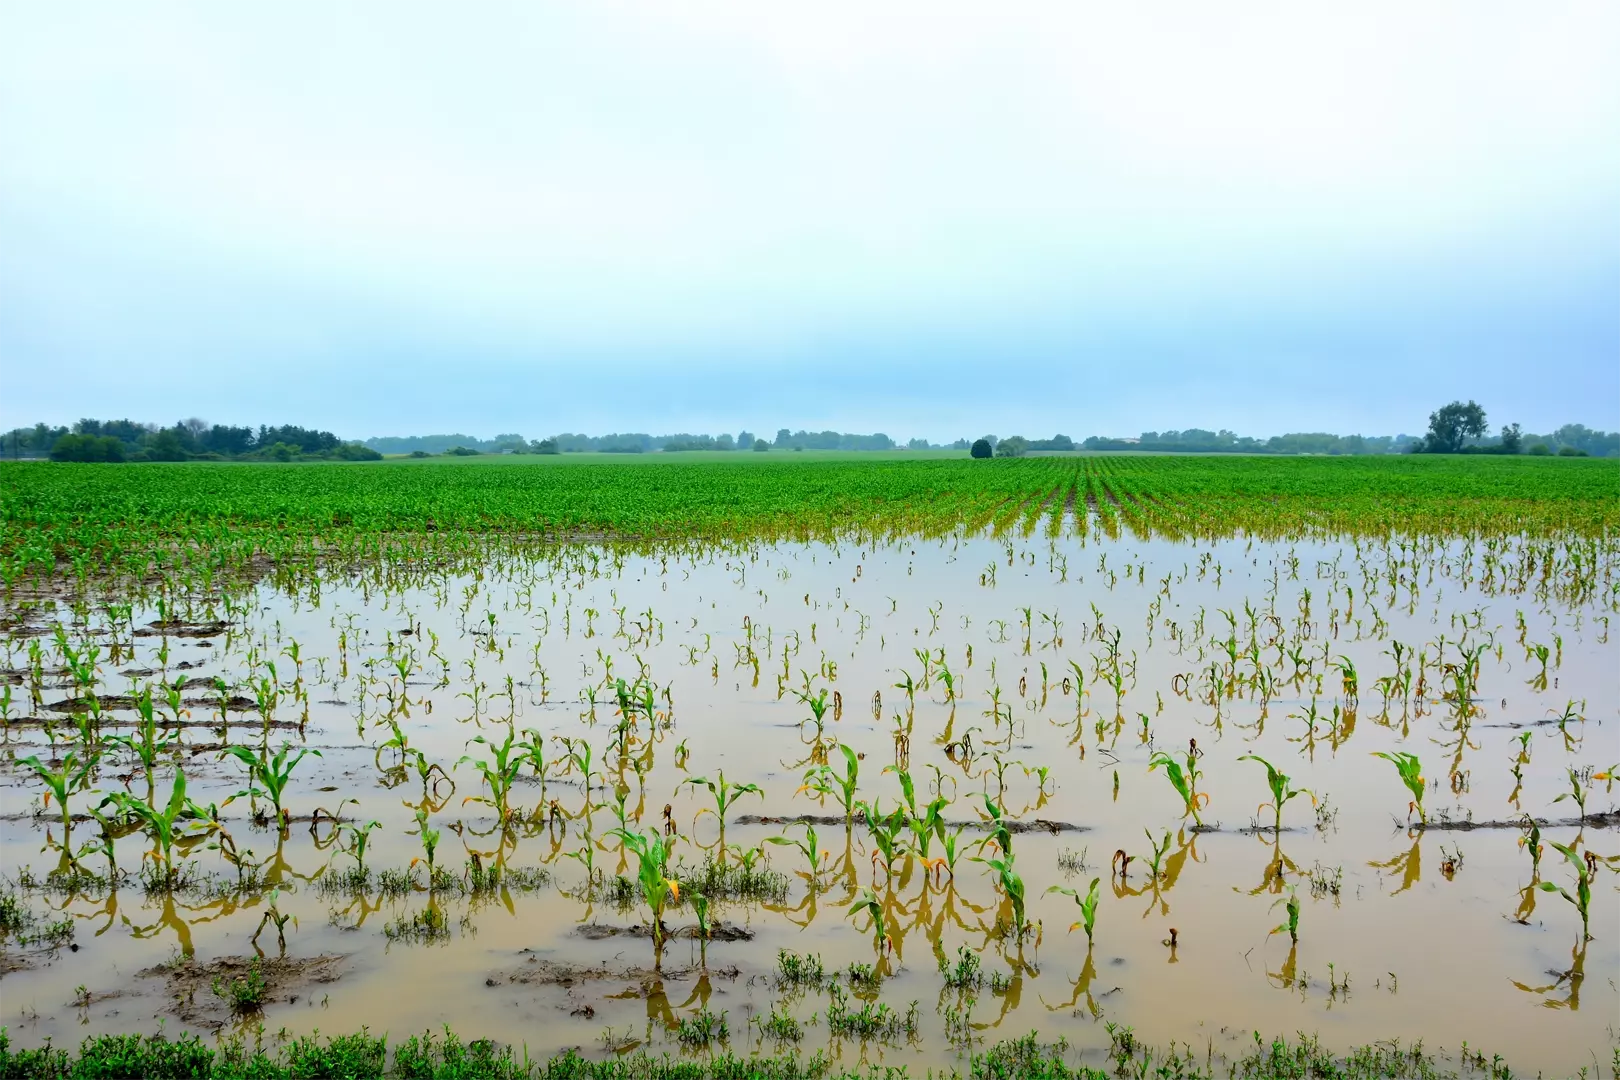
(1033, 825)
(189, 986)
(719, 932)
(541, 971)
(176, 628)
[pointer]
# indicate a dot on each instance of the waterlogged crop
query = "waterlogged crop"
(1034, 637)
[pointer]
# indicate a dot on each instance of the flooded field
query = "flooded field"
(892, 801)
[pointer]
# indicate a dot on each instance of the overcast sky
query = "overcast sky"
(926, 219)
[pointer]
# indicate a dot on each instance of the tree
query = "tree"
(1012, 446)
(77, 447)
(760, 445)
(1451, 424)
(1512, 438)
(981, 449)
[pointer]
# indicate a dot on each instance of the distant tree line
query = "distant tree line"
(186, 440)
(641, 443)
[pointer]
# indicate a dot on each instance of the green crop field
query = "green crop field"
(107, 514)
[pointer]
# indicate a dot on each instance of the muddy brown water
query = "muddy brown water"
(1403, 932)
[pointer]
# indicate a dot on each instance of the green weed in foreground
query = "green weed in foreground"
(447, 1057)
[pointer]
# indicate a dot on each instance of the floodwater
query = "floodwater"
(1402, 932)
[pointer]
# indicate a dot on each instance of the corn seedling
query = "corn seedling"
(1581, 899)
(1411, 773)
(1281, 792)
(657, 887)
(1087, 904)
(268, 774)
(725, 796)
(1184, 779)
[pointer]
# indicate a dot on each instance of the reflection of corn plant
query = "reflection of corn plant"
(1183, 779)
(725, 795)
(868, 902)
(657, 887)
(823, 781)
(1281, 793)
(268, 774)
(1585, 871)
(1088, 905)
(74, 775)
(1411, 771)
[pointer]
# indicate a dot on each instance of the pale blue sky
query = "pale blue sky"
(923, 218)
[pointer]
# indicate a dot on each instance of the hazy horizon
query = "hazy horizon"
(925, 220)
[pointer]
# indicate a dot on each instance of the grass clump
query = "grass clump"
(22, 926)
(448, 1057)
(733, 882)
(424, 927)
(779, 1025)
(873, 1020)
(246, 994)
(702, 1029)
(965, 974)
(795, 972)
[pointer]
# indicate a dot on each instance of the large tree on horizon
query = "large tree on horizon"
(1450, 424)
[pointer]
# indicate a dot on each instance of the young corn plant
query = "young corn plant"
(1581, 899)
(1087, 904)
(808, 847)
(823, 781)
(430, 844)
(1013, 886)
(268, 774)
(725, 795)
(147, 744)
(1411, 772)
(74, 775)
(657, 887)
(1184, 779)
(1281, 792)
(165, 827)
(499, 773)
(1577, 793)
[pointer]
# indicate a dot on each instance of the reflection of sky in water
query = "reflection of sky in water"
(867, 612)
